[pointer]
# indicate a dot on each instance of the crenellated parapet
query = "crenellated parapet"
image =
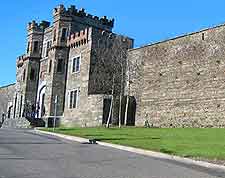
(72, 11)
(38, 26)
(79, 38)
(20, 60)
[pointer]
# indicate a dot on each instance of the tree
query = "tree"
(107, 70)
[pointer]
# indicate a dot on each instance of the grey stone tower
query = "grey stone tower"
(28, 69)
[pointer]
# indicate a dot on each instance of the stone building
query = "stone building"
(68, 66)
(74, 66)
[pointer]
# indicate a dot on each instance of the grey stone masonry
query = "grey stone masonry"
(180, 82)
(6, 100)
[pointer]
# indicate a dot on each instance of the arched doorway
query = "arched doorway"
(41, 100)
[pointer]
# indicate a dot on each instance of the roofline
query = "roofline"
(1, 87)
(178, 37)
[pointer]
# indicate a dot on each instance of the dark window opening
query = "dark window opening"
(203, 36)
(64, 34)
(50, 66)
(24, 74)
(49, 44)
(21, 104)
(15, 105)
(32, 74)
(76, 64)
(43, 106)
(36, 48)
(60, 65)
(54, 35)
(73, 99)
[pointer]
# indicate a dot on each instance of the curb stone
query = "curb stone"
(153, 154)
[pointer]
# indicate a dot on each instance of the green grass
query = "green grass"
(186, 142)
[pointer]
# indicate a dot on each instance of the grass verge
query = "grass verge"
(185, 142)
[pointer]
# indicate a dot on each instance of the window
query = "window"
(48, 47)
(60, 65)
(28, 47)
(203, 36)
(36, 48)
(54, 35)
(15, 105)
(21, 105)
(24, 74)
(73, 99)
(50, 66)
(32, 74)
(76, 64)
(64, 34)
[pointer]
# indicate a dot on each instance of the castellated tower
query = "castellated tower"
(54, 62)
(28, 69)
(73, 60)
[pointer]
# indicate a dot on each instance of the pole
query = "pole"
(55, 112)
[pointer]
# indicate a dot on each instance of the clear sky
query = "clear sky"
(146, 21)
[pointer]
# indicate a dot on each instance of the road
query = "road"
(24, 154)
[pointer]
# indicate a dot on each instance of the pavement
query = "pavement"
(24, 153)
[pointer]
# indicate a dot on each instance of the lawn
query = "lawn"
(186, 142)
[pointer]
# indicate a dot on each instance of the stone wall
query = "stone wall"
(6, 99)
(181, 82)
(89, 108)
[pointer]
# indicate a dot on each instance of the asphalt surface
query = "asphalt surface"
(25, 154)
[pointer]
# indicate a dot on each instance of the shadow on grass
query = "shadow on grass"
(164, 150)
(121, 138)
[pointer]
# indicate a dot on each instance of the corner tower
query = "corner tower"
(28, 69)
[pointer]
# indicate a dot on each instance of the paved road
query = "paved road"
(24, 154)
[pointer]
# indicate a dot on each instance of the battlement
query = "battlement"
(72, 11)
(79, 38)
(38, 26)
(20, 60)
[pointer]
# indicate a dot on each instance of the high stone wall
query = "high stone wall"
(181, 82)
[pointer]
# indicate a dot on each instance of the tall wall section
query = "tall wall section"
(6, 99)
(181, 82)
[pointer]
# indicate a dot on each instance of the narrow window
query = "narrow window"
(46, 52)
(24, 74)
(203, 36)
(21, 104)
(36, 48)
(73, 99)
(50, 66)
(15, 105)
(32, 74)
(54, 35)
(43, 105)
(28, 47)
(60, 65)
(76, 65)
(64, 34)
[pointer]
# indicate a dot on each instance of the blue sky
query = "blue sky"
(146, 21)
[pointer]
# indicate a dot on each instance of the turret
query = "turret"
(35, 34)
